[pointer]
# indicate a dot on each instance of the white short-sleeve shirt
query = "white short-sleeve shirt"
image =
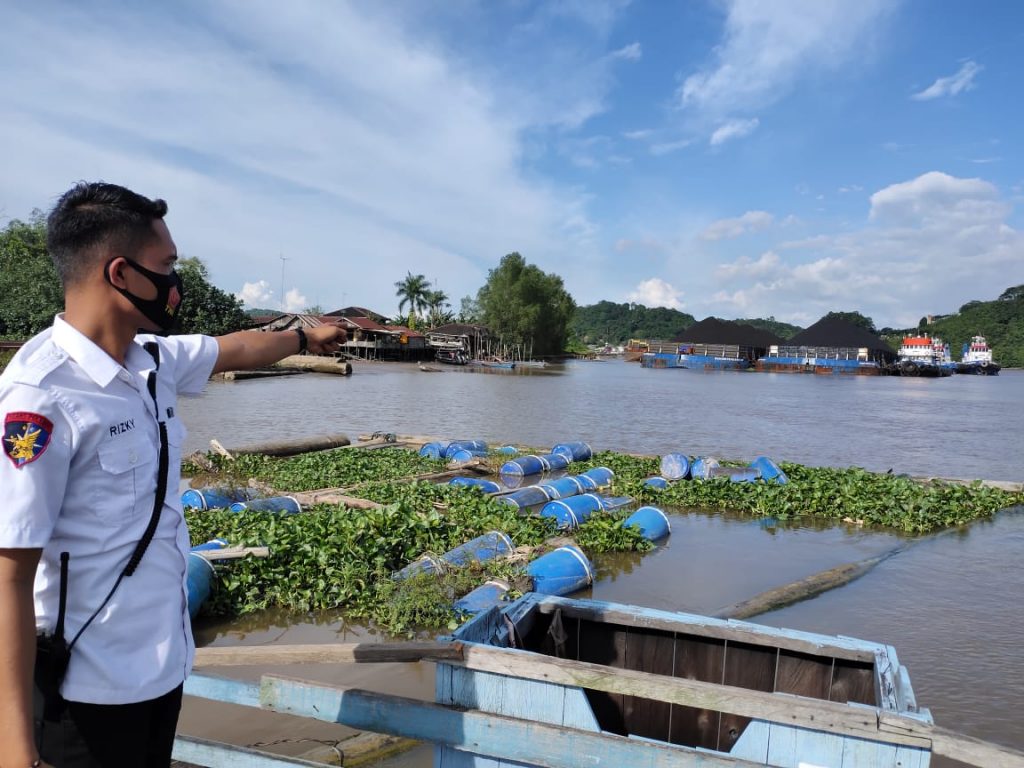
(78, 474)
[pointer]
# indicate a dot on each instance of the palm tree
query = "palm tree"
(436, 301)
(412, 290)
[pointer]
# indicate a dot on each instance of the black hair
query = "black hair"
(94, 214)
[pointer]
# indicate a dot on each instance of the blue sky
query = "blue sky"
(731, 158)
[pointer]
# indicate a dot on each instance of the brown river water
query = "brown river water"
(950, 604)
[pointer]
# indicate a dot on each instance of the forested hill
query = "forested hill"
(1001, 322)
(612, 323)
(779, 328)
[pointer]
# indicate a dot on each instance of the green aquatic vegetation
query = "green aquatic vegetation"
(852, 495)
(605, 532)
(323, 469)
(625, 467)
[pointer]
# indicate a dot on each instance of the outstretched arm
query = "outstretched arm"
(253, 349)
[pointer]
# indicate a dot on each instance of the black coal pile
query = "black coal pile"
(833, 332)
(715, 331)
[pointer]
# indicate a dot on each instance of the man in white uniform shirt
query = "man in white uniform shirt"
(91, 439)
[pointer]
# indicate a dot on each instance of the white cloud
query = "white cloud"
(643, 133)
(256, 294)
(767, 47)
(726, 229)
(733, 129)
(953, 85)
(655, 292)
(910, 257)
(294, 301)
(631, 52)
(765, 265)
(850, 188)
(668, 147)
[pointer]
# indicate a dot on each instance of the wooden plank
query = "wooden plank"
(232, 553)
(863, 752)
(326, 653)
(751, 667)
(651, 651)
(221, 689)
(211, 753)
(739, 631)
(487, 735)
(973, 751)
(703, 659)
(853, 681)
(803, 674)
(604, 645)
(753, 742)
(819, 749)
(792, 710)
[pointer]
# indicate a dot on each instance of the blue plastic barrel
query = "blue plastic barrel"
(508, 450)
(703, 468)
(525, 497)
(482, 548)
(744, 475)
(434, 450)
(211, 545)
(556, 461)
(651, 521)
(656, 482)
(285, 504)
(769, 470)
(422, 564)
(561, 571)
(615, 502)
(577, 451)
(563, 487)
(600, 475)
(483, 597)
(463, 456)
(216, 498)
(486, 486)
(465, 445)
(524, 465)
(200, 582)
(572, 511)
(587, 483)
(675, 466)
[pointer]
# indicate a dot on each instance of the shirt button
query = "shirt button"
(133, 457)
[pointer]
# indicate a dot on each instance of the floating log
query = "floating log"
(263, 374)
(287, 447)
(804, 589)
(334, 496)
(231, 553)
(316, 363)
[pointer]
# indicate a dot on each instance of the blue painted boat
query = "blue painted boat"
(558, 682)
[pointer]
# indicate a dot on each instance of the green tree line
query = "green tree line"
(31, 291)
(610, 323)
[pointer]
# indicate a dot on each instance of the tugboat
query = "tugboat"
(922, 356)
(977, 359)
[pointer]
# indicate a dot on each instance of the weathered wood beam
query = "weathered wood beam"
(326, 653)
(202, 752)
(233, 553)
(293, 447)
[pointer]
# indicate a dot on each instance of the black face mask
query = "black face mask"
(162, 311)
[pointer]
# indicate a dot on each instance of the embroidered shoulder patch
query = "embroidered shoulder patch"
(26, 437)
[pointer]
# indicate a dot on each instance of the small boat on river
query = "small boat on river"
(451, 357)
(977, 359)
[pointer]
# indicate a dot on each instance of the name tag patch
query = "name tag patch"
(121, 427)
(26, 437)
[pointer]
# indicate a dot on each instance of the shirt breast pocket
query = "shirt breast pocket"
(126, 479)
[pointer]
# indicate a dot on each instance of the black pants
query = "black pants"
(110, 735)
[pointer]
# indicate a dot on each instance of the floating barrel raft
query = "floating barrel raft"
(284, 504)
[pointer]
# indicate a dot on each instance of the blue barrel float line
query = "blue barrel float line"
(675, 466)
(561, 571)
(286, 504)
(481, 549)
(563, 487)
(483, 597)
(486, 486)
(524, 465)
(703, 468)
(477, 446)
(434, 450)
(652, 522)
(656, 482)
(744, 475)
(572, 511)
(525, 497)
(555, 461)
(769, 470)
(587, 483)
(577, 451)
(600, 475)
(216, 498)
(199, 581)
(507, 450)
(485, 547)
(463, 456)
